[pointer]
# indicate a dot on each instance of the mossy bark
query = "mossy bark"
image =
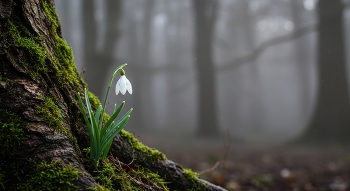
(38, 85)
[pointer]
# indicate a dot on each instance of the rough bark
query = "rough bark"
(39, 85)
(330, 122)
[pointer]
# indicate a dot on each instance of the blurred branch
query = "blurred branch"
(209, 169)
(265, 45)
(170, 67)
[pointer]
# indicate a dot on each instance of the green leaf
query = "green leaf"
(91, 131)
(111, 119)
(105, 152)
(98, 113)
(110, 130)
(108, 88)
(95, 127)
(110, 138)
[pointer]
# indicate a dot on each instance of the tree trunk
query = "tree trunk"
(205, 17)
(98, 62)
(330, 122)
(302, 67)
(254, 88)
(42, 133)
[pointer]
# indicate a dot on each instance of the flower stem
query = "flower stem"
(108, 88)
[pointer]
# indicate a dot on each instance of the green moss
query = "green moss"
(51, 114)
(193, 177)
(11, 136)
(106, 175)
(262, 181)
(99, 188)
(21, 37)
(114, 175)
(95, 102)
(64, 65)
(52, 176)
(2, 175)
(150, 178)
(11, 131)
(152, 154)
(190, 175)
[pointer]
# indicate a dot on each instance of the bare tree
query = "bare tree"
(205, 12)
(330, 121)
(97, 62)
(255, 107)
(301, 55)
(139, 45)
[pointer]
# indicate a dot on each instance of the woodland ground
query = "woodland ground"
(257, 167)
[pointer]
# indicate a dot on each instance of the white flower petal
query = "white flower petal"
(117, 87)
(128, 86)
(122, 84)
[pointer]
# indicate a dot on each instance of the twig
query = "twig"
(209, 169)
(227, 147)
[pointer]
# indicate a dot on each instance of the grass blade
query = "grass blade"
(111, 136)
(91, 130)
(111, 119)
(98, 113)
(110, 130)
(94, 126)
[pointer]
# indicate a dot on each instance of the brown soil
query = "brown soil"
(258, 168)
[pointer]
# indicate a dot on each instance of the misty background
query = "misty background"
(203, 68)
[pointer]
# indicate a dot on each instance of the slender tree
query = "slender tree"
(255, 107)
(301, 55)
(98, 61)
(139, 45)
(331, 118)
(42, 132)
(205, 13)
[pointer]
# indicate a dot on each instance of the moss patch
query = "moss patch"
(21, 37)
(11, 135)
(95, 102)
(152, 154)
(115, 175)
(98, 188)
(52, 176)
(2, 181)
(51, 114)
(64, 65)
(193, 177)
(11, 131)
(190, 175)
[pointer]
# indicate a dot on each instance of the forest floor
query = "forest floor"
(257, 167)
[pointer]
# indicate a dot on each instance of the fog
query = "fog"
(247, 68)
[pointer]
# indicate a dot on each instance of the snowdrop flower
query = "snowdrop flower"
(123, 84)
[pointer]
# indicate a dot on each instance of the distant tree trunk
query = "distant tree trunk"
(205, 12)
(302, 67)
(40, 121)
(255, 107)
(139, 59)
(98, 62)
(330, 123)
